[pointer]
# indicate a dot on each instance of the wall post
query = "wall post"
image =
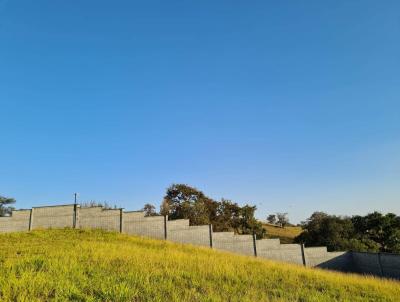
(210, 231)
(165, 227)
(121, 222)
(303, 255)
(254, 244)
(74, 218)
(380, 264)
(30, 220)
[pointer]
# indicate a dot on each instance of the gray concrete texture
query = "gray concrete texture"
(320, 257)
(197, 235)
(136, 224)
(158, 227)
(98, 218)
(18, 221)
(228, 241)
(378, 264)
(52, 217)
(282, 252)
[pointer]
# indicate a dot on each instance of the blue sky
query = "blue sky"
(293, 107)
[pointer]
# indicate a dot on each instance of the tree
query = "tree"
(393, 241)
(382, 229)
(164, 208)
(185, 202)
(5, 210)
(248, 223)
(149, 210)
(227, 216)
(330, 231)
(271, 219)
(373, 233)
(282, 219)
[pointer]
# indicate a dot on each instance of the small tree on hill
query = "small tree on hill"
(271, 218)
(5, 210)
(283, 219)
(149, 210)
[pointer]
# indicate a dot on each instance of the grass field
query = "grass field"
(74, 265)
(286, 235)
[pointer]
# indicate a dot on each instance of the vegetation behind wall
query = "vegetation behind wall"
(374, 232)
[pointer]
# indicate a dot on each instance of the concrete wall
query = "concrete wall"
(158, 227)
(99, 218)
(178, 224)
(18, 221)
(272, 249)
(228, 241)
(320, 257)
(136, 224)
(52, 217)
(378, 264)
(198, 235)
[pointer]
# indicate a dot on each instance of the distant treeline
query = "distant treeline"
(374, 232)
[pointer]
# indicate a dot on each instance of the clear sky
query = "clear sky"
(293, 106)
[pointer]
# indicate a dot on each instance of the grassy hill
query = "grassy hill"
(75, 265)
(286, 234)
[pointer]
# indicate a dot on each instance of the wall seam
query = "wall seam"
(121, 213)
(74, 218)
(303, 255)
(30, 220)
(165, 227)
(254, 244)
(210, 231)
(380, 264)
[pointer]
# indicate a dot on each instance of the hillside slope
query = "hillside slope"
(99, 266)
(286, 234)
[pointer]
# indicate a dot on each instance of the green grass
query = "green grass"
(73, 265)
(286, 234)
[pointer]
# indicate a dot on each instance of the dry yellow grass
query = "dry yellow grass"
(286, 234)
(76, 265)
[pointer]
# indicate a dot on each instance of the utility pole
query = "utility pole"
(75, 195)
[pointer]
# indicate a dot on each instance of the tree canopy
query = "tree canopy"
(374, 232)
(149, 210)
(271, 218)
(282, 219)
(186, 202)
(5, 209)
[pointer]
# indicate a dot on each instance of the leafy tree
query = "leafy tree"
(248, 223)
(373, 232)
(271, 218)
(5, 210)
(185, 202)
(382, 229)
(189, 203)
(149, 210)
(323, 229)
(282, 219)
(393, 241)
(164, 208)
(227, 216)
